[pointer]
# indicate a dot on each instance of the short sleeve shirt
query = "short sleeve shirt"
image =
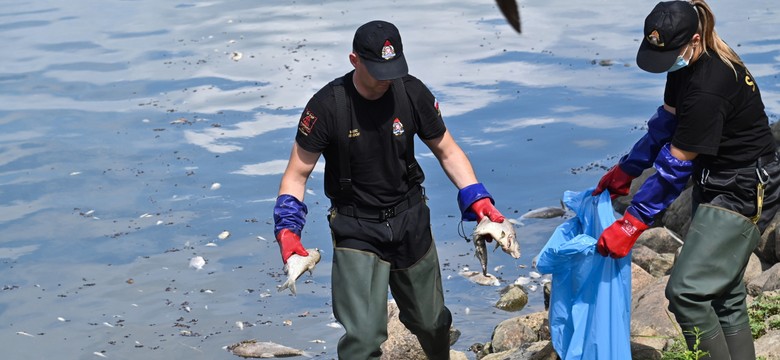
(720, 114)
(379, 134)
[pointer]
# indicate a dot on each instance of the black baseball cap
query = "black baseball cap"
(668, 28)
(378, 43)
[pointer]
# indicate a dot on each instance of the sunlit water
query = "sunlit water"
(118, 118)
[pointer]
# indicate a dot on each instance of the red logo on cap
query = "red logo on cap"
(655, 39)
(388, 52)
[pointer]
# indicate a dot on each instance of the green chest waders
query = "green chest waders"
(706, 290)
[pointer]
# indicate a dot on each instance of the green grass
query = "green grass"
(763, 314)
(679, 350)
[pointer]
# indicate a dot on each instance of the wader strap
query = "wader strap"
(413, 173)
(343, 118)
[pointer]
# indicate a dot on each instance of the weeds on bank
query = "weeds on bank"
(764, 314)
(679, 349)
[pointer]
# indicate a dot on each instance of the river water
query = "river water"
(132, 136)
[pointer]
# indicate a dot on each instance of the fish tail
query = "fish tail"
(289, 284)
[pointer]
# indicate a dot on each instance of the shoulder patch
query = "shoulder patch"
(436, 106)
(308, 119)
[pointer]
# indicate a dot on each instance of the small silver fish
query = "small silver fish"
(263, 349)
(297, 265)
(547, 212)
(503, 233)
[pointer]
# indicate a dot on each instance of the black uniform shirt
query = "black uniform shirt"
(720, 114)
(379, 139)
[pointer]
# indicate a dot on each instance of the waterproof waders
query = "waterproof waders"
(360, 281)
(706, 290)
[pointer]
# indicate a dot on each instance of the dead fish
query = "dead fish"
(480, 278)
(547, 212)
(264, 349)
(511, 13)
(480, 251)
(297, 265)
(502, 233)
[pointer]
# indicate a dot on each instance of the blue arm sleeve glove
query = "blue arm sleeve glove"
(289, 213)
(467, 196)
(660, 129)
(661, 188)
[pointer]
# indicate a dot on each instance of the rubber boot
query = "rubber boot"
(418, 292)
(740, 343)
(359, 290)
(715, 346)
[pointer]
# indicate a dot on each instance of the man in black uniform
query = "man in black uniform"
(364, 124)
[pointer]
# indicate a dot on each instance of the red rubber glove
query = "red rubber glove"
(483, 207)
(290, 243)
(618, 239)
(616, 181)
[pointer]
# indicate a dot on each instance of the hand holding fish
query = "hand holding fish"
(297, 265)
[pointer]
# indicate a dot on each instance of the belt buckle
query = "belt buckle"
(387, 213)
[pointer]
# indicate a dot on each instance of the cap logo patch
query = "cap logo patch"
(307, 122)
(655, 39)
(398, 128)
(388, 51)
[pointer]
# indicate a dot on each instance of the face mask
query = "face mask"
(681, 62)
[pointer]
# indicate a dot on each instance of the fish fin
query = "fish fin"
(292, 288)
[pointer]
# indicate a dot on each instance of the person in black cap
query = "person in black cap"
(712, 128)
(364, 124)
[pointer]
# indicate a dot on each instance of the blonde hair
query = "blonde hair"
(710, 37)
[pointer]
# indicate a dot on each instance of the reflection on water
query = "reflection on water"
(117, 119)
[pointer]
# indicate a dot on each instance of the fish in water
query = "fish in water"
(297, 265)
(264, 349)
(511, 13)
(480, 278)
(503, 233)
(547, 212)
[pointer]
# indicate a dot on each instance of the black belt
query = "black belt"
(413, 197)
(759, 163)
(766, 159)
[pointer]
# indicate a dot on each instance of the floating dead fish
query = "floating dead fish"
(197, 262)
(479, 278)
(236, 56)
(224, 235)
(216, 186)
(297, 265)
(264, 349)
(547, 212)
(502, 233)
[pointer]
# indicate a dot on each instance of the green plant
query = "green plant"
(761, 312)
(679, 349)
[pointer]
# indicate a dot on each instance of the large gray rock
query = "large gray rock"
(512, 298)
(655, 264)
(768, 249)
(767, 281)
(660, 240)
(401, 343)
(651, 324)
(768, 345)
(640, 278)
(512, 333)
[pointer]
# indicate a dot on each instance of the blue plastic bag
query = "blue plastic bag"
(590, 301)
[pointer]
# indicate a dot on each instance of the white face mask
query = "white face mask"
(681, 62)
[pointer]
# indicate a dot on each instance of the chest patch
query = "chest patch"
(398, 127)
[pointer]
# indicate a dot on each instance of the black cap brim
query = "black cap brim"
(649, 59)
(387, 70)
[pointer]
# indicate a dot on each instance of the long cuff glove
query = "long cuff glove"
(289, 219)
(660, 129)
(655, 195)
(475, 203)
(617, 180)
